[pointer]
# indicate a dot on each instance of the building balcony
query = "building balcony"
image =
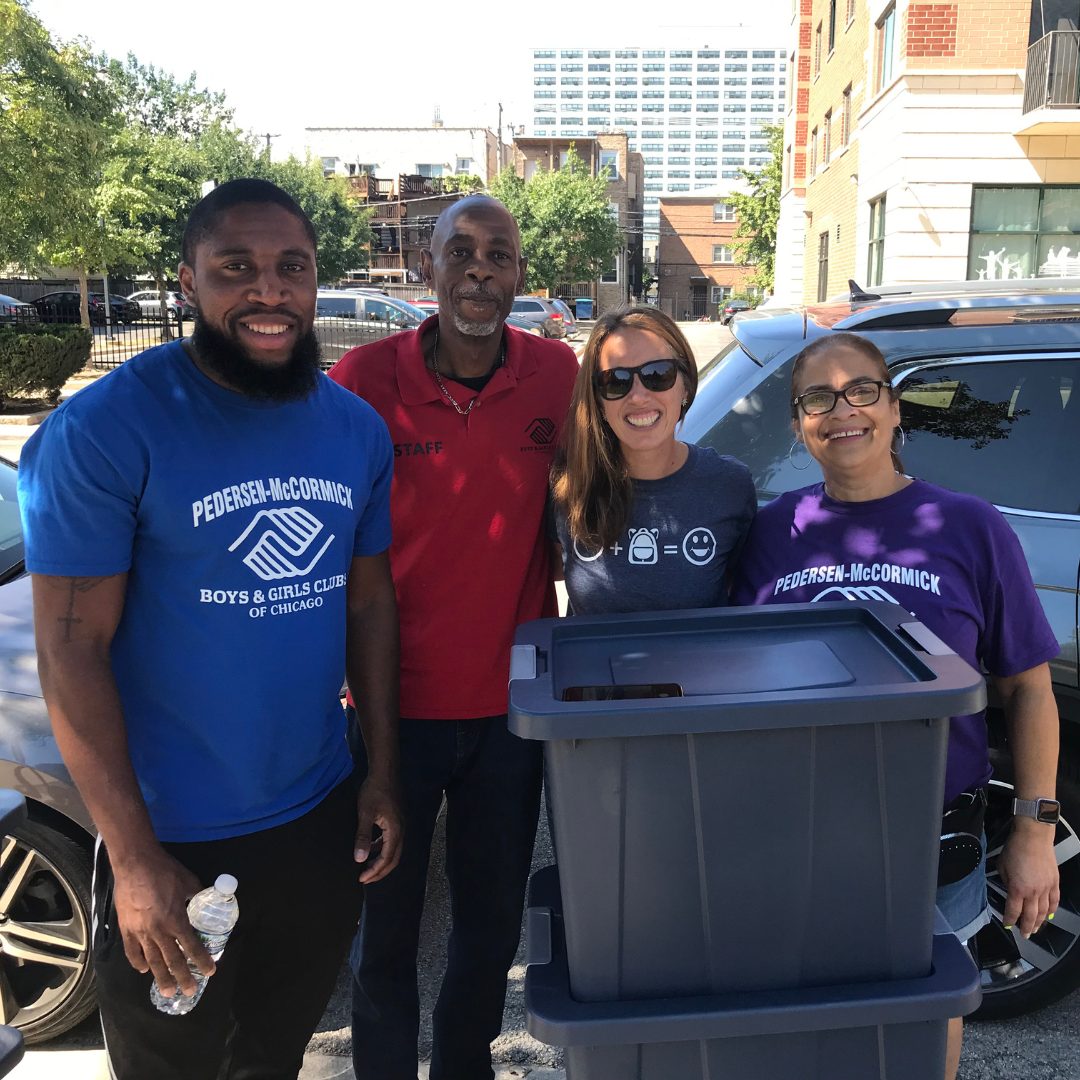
(372, 188)
(386, 211)
(1052, 85)
(410, 186)
(386, 262)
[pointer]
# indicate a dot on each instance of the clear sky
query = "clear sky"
(325, 63)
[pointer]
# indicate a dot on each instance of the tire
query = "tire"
(46, 979)
(1021, 976)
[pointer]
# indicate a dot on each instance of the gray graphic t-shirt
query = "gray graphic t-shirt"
(682, 533)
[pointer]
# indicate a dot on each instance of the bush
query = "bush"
(38, 360)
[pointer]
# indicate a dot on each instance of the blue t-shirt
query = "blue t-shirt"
(236, 521)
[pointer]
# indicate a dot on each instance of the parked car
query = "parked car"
(427, 304)
(45, 863)
(731, 308)
(568, 316)
(524, 324)
(14, 311)
(345, 318)
(541, 312)
(63, 307)
(989, 382)
(149, 303)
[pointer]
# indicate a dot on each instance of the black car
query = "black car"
(15, 312)
(731, 308)
(63, 307)
(970, 361)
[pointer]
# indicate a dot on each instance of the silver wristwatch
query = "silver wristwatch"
(1045, 810)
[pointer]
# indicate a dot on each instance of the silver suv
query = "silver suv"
(989, 381)
(542, 313)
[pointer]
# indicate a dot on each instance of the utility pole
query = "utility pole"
(268, 136)
(499, 166)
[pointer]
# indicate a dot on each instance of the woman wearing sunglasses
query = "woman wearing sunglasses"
(645, 522)
(872, 532)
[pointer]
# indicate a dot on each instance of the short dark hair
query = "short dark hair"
(245, 192)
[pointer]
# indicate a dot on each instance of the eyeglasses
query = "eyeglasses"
(656, 375)
(820, 402)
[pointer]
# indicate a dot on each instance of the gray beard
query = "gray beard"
(477, 329)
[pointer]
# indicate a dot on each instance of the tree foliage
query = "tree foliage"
(101, 161)
(568, 232)
(758, 212)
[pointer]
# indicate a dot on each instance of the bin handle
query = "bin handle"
(926, 639)
(538, 936)
(523, 662)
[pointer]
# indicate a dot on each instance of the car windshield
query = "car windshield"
(9, 301)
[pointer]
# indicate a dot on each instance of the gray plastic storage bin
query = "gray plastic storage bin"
(888, 1031)
(776, 827)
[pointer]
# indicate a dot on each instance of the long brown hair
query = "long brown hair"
(857, 344)
(589, 479)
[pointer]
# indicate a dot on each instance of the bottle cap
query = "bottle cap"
(225, 884)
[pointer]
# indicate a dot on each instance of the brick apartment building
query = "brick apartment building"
(626, 196)
(929, 142)
(697, 267)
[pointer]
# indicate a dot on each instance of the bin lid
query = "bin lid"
(731, 669)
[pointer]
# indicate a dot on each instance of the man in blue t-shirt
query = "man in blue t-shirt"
(207, 528)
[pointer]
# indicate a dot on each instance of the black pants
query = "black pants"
(299, 903)
(492, 784)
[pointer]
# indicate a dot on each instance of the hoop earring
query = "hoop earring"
(791, 450)
(903, 437)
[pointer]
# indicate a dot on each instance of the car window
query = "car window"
(338, 307)
(527, 305)
(997, 429)
(11, 538)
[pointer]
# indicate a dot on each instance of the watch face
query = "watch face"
(1047, 811)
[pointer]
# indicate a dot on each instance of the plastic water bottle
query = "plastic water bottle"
(212, 913)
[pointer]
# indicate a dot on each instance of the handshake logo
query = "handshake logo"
(283, 548)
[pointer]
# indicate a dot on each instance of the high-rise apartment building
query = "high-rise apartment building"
(696, 115)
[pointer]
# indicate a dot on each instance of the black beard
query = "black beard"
(291, 381)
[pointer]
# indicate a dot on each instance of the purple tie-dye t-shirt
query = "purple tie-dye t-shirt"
(949, 559)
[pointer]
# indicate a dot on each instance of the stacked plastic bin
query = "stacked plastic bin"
(746, 808)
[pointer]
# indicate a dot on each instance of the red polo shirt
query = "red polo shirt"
(470, 557)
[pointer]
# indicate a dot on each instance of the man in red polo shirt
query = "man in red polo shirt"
(474, 409)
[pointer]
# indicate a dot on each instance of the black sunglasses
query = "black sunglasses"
(656, 375)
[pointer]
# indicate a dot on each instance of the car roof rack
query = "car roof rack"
(900, 311)
(1001, 287)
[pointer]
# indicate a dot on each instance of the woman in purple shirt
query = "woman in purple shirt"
(951, 560)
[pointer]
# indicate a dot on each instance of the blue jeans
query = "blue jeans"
(492, 782)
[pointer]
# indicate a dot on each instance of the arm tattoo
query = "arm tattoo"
(69, 620)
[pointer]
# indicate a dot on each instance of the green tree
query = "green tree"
(54, 116)
(568, 233)
(758, 212)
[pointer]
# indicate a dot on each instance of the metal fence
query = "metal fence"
(113, 345)
(1053, 72)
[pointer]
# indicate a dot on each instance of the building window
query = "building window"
(813, 152)
(850, 14)
(723, 211)
(570, 54)
(823, 267)
(1024, 232)
(817, 49)
(845, 118)
(875, 258)
(886, 48)
(832, 26)
(721, 253)
(719, 293)
(464, 165)
(826, 139)
(609, 159)
(543, 54)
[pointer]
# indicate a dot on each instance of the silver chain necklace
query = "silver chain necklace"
(442, 386)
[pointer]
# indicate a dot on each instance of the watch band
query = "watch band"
(1045, 810)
